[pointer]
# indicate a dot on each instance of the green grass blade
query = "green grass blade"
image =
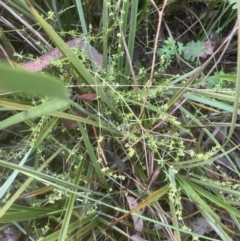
(45, 132)
(40, 110)
(92, 156)
(195, 197)
(31, 83)
(123, 27)
(24, 186)
(132, 33)
(65, 224)
(12, 177)
(73, 226)
(20, 216)
(85, 32)
(219, 188)
(177, 236)
(105, 21)
(216, 226)
(58, 183)
(212, 218)
(213, 103)
(18, 106)
(214, 199)
(237, 88)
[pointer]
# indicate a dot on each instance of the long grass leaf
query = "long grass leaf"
(237, 88)
(18, 106)
(85, 32)
(123, 27)
(132, 33)
(195, 197)
(214, 199)
(216, 187)
(21, 81)
(37, 111)
(213, 103)
(92, 156)
(12, 177)
(68, 213)
(24, 186)
(212, 218)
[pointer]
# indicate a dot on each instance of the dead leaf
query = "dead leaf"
(200, 226)
(137, 222)
(209, 47)
(207, 51)
(71, 124)
(89, 96)
(153, 176)
(147, 201)
(45, 60)
(137, 238)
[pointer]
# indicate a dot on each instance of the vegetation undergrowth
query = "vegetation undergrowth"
(130, 132)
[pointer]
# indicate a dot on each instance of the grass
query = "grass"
(121, 152)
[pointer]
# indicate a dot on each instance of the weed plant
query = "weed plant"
(142, 147)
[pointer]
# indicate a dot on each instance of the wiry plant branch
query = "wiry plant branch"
(160, 15)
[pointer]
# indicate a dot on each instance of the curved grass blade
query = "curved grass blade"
(237, 88)
(40, 110)
(212, 218)
(150, 199)
(213, 103)
(12, 177)
(214, 199)
(31, 83)
(92, 156)
(85, 32)
(25, 185)
(65, 224)
(132, 33)
(18, 106)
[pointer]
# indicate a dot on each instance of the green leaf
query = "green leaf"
(234, 3)
(168, 49)
(194, 50)
(180, 48)
(28, 83)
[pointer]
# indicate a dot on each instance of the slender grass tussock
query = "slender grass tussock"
(148, 149)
